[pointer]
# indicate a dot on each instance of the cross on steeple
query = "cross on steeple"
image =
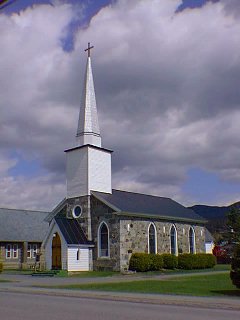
(88, 49)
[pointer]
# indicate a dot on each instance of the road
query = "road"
(26, 306)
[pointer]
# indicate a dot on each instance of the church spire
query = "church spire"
(88, 131)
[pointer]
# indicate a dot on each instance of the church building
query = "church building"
(98, 228)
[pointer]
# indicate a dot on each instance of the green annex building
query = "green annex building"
(21, 236)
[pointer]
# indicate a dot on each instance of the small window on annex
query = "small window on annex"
(32, 250)
(152, 247)
(191, 241)
(9, 251)
(173, 240)
(103, 240)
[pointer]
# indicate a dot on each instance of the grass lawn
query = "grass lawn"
(87, 274)
(202, 285)
(95, 274)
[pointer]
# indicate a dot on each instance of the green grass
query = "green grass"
(196, 285)
(218, 267)
(96, 274)
(87, 274)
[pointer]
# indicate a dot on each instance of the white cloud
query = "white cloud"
(167, 93)
(36, 193)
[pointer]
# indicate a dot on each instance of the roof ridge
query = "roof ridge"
(27, 210)
(144, 194)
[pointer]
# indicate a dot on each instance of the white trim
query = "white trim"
(155, 230)
(194, 240)
(47, 245)
(8, 250)
(15, 251)
(73, 211)
(176, 239)
(12, 250)
(49, 233)
(32, 250)
(99, 241)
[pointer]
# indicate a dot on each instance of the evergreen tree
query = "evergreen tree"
(233, 223)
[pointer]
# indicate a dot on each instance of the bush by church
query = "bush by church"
(170, 261)
(142, 262)
(190, 261)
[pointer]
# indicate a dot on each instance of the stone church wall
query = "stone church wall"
(102, 213)
(134, 238)
(128, 234)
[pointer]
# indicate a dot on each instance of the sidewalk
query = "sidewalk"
(25, 284)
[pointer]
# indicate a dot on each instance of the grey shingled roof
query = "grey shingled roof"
(72, 231)
(208, 236)
(147, 205)
(22, 225)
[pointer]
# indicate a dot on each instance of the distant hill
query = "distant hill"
(215, 215)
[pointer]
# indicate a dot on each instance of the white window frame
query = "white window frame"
(11, 251)
(155, 232)
(176, 239)
(194, 239)
(99, 241)
(15, 251)
(32, 250)
(29, 251)
(8, 251)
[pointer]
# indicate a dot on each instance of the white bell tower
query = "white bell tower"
(88, 164)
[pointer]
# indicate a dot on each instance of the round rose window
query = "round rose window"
(77, 211)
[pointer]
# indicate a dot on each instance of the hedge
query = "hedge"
(1, 267)
(156, 262)
(170, 261)
(142, 262)
(190, 261)
(235, 268)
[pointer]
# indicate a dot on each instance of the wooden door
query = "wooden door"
(56, 252)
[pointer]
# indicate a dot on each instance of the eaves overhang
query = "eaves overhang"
(160, 217)
(89, 145)
(90, 245)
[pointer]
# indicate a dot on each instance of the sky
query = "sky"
(166, 76)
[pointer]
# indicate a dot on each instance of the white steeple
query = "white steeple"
(88, 165)
(88, 131)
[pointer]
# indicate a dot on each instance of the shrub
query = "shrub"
(189, 261)
(156, 262)
(235, 268)
(186, 261)
(140, 262)
(204, 261)
(1, 267)
(170, 261)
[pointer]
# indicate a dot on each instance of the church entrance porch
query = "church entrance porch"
(56, 252)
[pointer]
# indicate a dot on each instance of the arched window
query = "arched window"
(103, 240)
(173, 240)
(152, 246)
(191, 237)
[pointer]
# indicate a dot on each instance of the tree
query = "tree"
(233, 223)
(235, 267)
